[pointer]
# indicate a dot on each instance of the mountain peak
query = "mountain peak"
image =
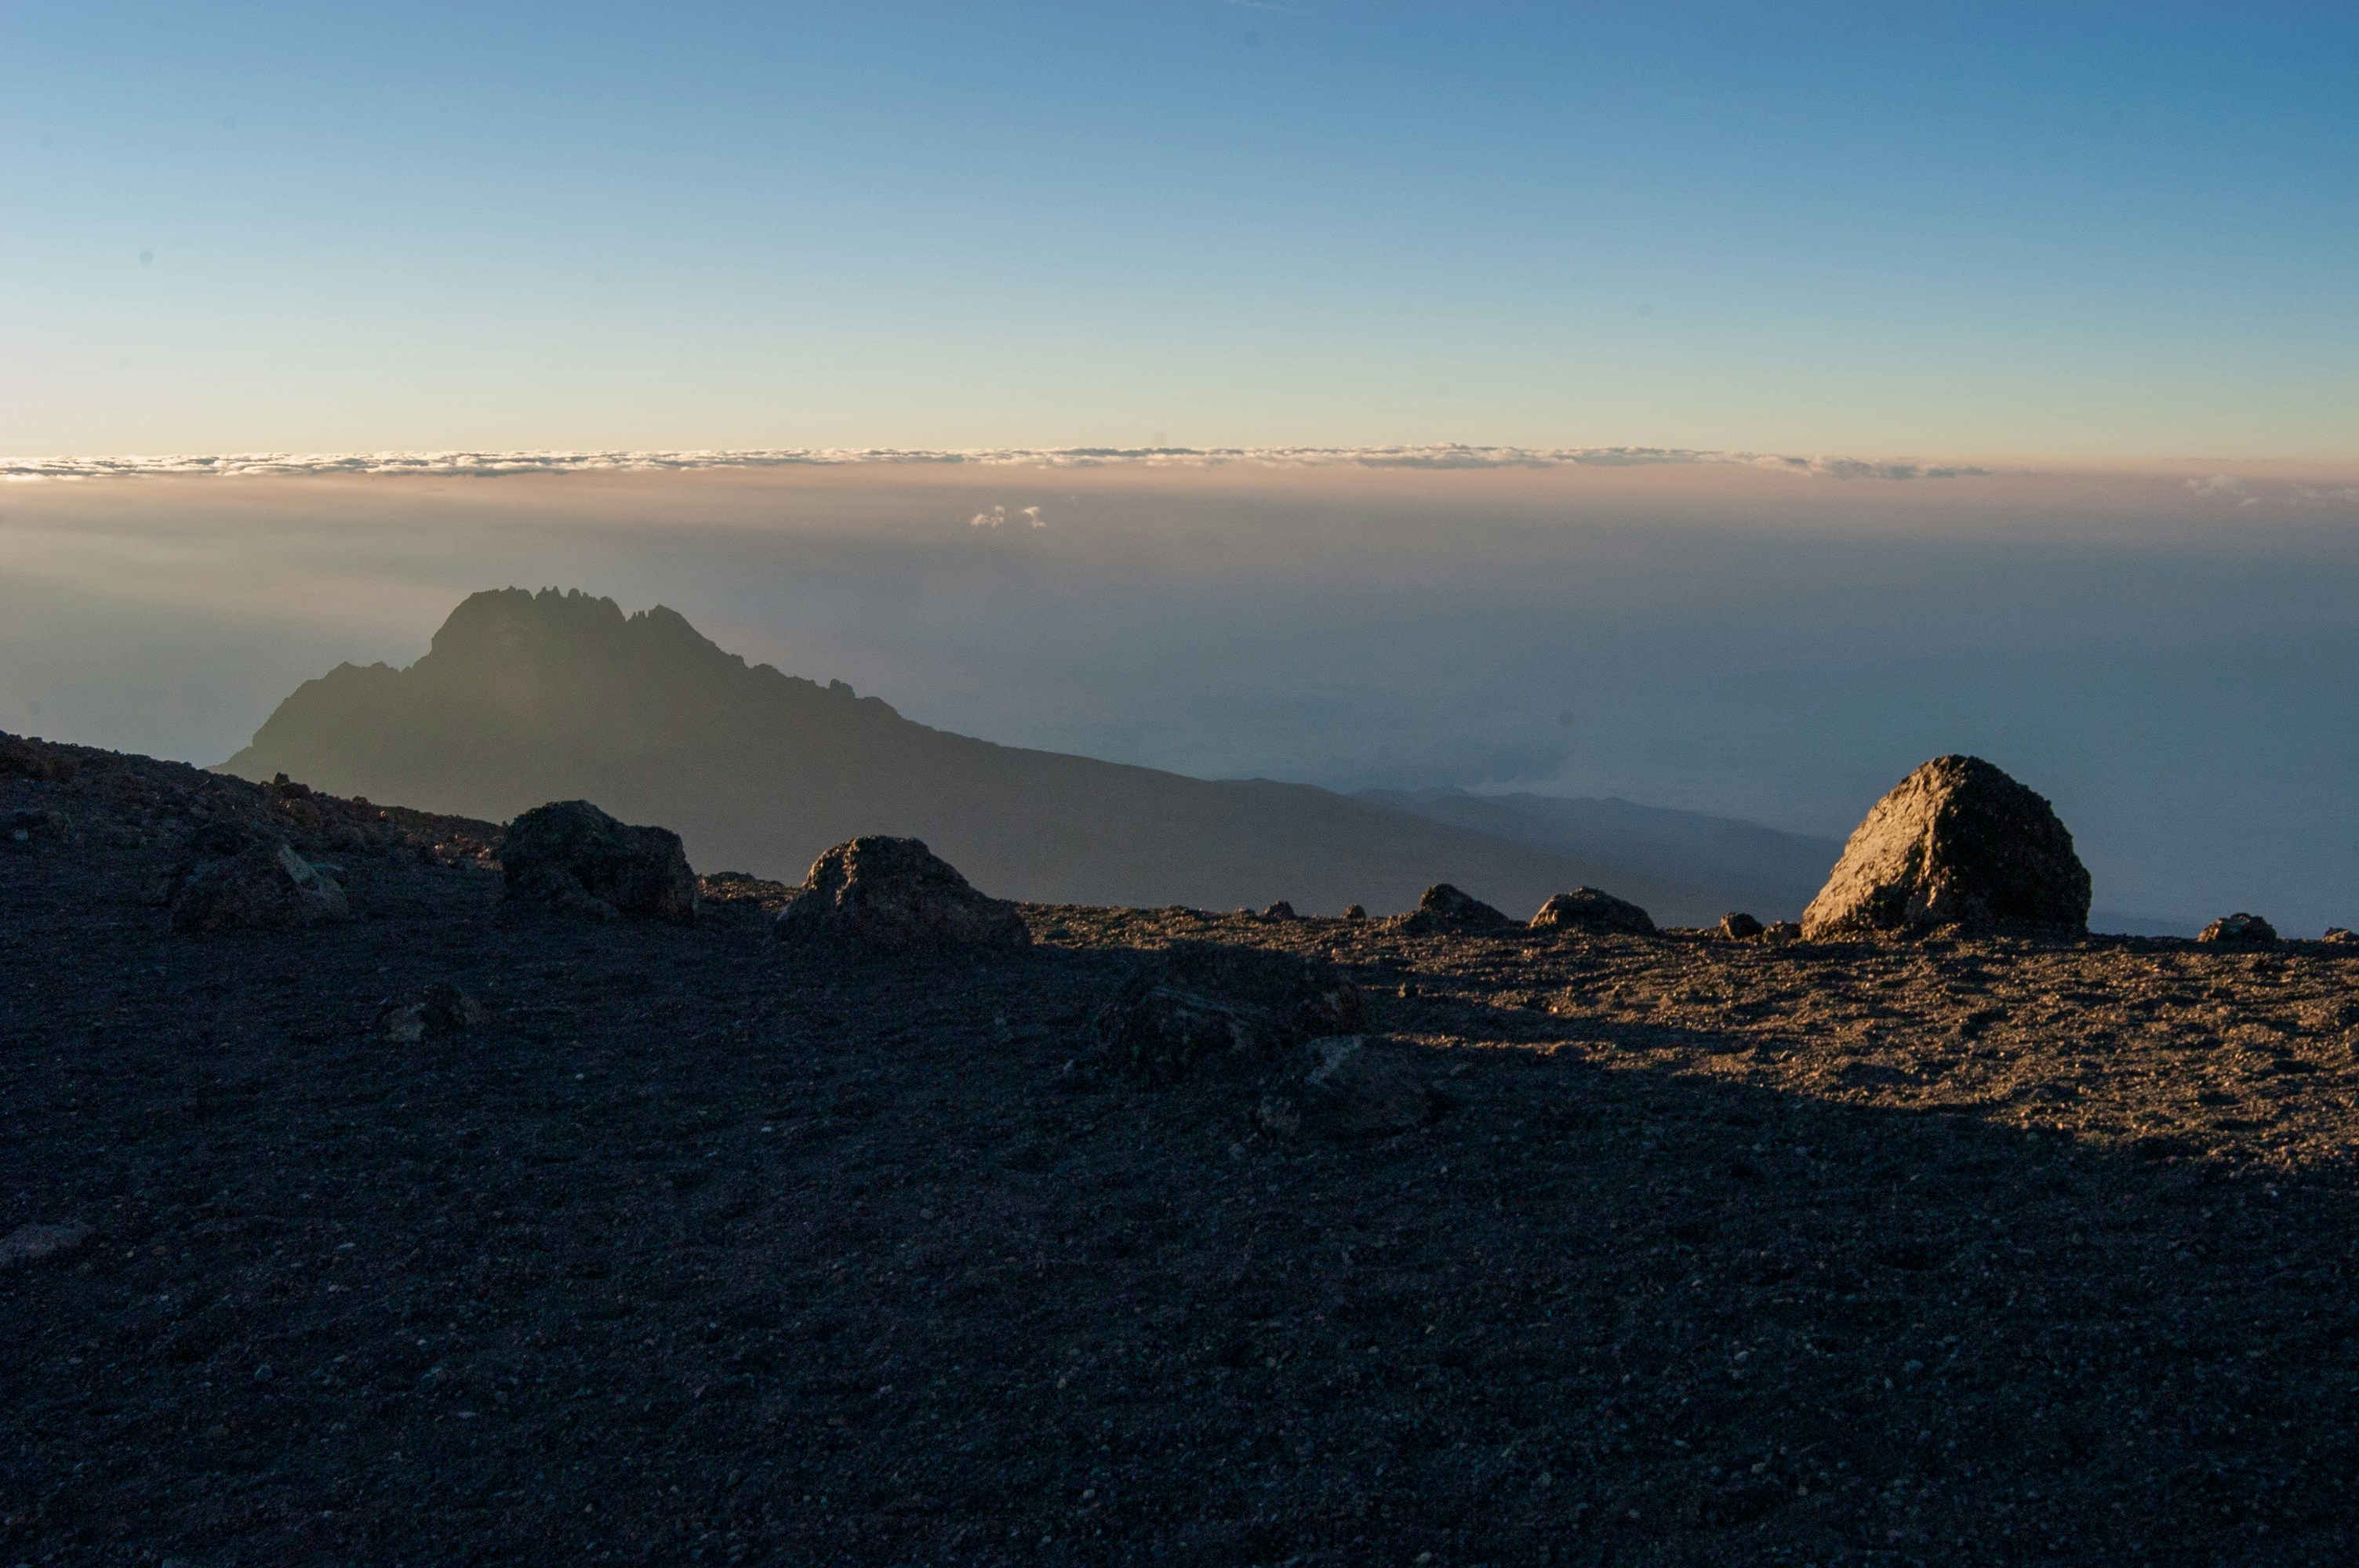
(505, 624)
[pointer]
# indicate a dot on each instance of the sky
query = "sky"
(1939, 232)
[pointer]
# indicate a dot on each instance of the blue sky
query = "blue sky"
(2055, 230)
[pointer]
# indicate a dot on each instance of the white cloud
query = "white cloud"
(492, 465)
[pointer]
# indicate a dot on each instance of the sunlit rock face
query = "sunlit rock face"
(1956, 843)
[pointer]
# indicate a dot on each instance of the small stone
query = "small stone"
(1739, 926)
(1200, 1004)
(896, 895)
(2339, 936)
(1349, 1088)
(30, 825)
(1590, 909)
(1783, 931)
(2239, 930)
(246, 881)
(1444, 908)
(262, 1373)
(32, 1243)
(1281, 910)
(444, 1012)
(1354, 911)
(35, 760)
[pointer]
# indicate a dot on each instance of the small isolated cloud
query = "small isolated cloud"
(999, 517)
(2225, 487)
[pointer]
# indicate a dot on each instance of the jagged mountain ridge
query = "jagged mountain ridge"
(524, 697)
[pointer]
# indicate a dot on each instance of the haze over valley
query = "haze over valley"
(2168, 657)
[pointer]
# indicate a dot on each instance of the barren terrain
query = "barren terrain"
(694, 1248)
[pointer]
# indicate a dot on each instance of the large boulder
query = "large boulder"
(1444, 908)
(1588, 909)
(571, 855)
(896, 895)
(1198, 1004)
(252, 883)
(1956, 843)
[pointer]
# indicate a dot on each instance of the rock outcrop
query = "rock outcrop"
(1444, 908)
(1200, 1004)
(1739, 926)
(1588, 909)
(569, 855)
(2239, 930)
(239, 881)
(1956, 843)
(896, 895)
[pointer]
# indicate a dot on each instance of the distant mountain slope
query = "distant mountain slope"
(526, 698)
(1769, 873)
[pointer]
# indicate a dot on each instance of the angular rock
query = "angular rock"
(571, 855)
(1956, 843)
(1350, 1087)
(1355, 912)
(32, 1243)
(1200, 1004)
(1783, 931)
(2339, 936)
(1444, 908)
(263, 885)
(1739, 926)
(2239, 930)
(1590, 909)
(896, 895)
(1281, 910)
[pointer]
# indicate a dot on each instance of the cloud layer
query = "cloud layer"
(488, 465)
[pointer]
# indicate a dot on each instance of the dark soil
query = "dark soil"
(695, 1248)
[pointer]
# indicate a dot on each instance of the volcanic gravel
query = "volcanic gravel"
(697, 1249)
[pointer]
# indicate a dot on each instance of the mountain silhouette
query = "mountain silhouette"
(526, 697)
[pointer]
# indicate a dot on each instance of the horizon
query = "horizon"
(2165, 655)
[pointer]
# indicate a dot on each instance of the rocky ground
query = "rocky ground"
(680, 1244)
